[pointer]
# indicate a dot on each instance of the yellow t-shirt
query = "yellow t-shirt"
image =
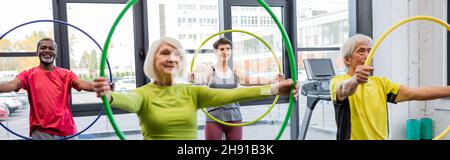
(364, 115)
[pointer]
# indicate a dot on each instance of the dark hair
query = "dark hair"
(45, 39)
(222, 41)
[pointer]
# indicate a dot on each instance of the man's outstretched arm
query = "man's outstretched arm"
(406, 93)
(348, 87)
(85, 85)
(10, 86)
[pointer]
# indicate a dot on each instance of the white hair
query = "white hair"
(350, 45)
(149, 63)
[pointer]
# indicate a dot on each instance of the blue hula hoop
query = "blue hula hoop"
(73, 26)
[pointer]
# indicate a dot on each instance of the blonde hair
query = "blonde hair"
(149, 63)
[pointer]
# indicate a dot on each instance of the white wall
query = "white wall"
(412, 55)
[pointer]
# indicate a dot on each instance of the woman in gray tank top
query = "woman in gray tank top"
(221, 76)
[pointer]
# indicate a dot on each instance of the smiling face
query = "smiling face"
(167, 61)
(46, 51)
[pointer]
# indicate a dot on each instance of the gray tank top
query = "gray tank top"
(229, 112)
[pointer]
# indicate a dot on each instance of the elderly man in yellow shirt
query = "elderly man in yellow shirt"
(361, 110)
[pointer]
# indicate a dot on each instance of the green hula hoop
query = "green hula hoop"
(263, 4)
(279, 71)
(292, 64)
(102, 67)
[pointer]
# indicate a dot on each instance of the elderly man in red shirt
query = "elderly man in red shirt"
(49, 88)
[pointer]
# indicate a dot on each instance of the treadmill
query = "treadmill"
(316, 88)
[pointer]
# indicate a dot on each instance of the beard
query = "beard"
(46, 61)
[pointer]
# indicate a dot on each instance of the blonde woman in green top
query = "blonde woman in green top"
(167, 110)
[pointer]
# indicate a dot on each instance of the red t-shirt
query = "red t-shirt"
(49, 98)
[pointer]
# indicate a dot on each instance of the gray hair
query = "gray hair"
(350, 45)
(149, 63)
(46, 39)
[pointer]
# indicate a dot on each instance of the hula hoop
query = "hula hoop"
(443, 134)
(279, 71)
(102, 67)
(85, 33)
(385, 34)
(285, 39)
(292, 65)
